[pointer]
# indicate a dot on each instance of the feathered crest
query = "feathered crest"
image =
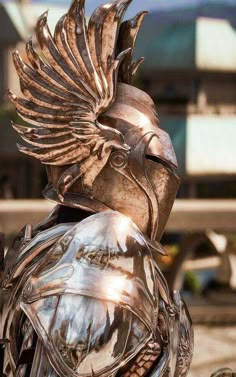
(73, 80)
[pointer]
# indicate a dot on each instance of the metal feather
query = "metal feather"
(127, 38)
(70, 83)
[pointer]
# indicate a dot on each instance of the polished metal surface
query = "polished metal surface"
(87, 122)
(81, 293)
(223, 372)
(97, 303)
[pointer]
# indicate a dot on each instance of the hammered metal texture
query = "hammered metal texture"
(81, 294)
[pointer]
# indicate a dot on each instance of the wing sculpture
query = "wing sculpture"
(69, 83)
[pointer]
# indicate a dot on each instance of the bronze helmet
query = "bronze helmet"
(98, 135)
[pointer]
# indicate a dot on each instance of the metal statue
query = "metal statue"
(81, 293)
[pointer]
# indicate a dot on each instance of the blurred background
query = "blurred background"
(190, 72)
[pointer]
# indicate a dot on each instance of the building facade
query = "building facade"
(190, 71)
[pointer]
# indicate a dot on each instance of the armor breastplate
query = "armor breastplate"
(98, 302)
(88, 303)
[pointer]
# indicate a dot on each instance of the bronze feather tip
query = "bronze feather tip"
(29, 42)
(21, 148)
(11, 95)
(44, 16)
(15, 52)
(138, 19)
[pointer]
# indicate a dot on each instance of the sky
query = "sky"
(226, 8)
(138, 5)
(152, 4)
(166, 10)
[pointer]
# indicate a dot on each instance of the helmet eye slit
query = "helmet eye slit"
(161, 161)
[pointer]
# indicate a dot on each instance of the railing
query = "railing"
(187, 215)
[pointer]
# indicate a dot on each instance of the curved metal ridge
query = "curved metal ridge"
(45, 239)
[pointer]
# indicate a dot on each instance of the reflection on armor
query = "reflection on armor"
(94, 303)
(82, 293)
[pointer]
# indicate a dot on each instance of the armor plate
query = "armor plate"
(98, 302)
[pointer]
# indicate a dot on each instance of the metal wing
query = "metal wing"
(69, 83)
